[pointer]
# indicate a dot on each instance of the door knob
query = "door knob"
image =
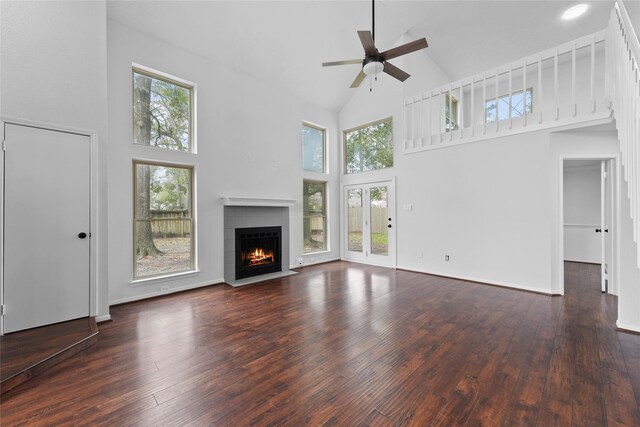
(598, 230)
(389, 226)
(82, 235)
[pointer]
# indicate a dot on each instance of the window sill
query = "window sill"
(326, 251)
(165, 278)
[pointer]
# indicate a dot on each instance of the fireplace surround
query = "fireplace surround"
(242, 213)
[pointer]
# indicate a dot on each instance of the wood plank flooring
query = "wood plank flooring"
(28, 353)
(348, 344)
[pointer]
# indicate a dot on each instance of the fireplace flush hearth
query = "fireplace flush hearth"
(258, 251)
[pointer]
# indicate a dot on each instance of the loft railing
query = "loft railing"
(556, 87)
(623, 86)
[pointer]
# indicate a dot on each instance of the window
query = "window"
(450, 113)
(162, 112)
(163, 221)
(313, 148)
(369, 147)
(314, 199)
(501, 109)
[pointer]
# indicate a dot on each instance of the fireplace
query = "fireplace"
(258, 251)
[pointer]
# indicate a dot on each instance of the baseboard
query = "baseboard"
(104, 318)
(308, 264)
(484, 281)
(625, 327)
(170, 291)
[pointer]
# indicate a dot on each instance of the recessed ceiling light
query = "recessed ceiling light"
(574, 11)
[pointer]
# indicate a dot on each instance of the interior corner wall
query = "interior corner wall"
(53, 64)
(248, 145)
(486, 204)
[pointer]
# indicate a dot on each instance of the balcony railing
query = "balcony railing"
(557, 87)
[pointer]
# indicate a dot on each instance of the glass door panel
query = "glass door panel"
(378, 210)
(354, 220)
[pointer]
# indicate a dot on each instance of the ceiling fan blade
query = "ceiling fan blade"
(367, 42)
(347, 62)
(396, 72)
(404, 49)
(358, 80)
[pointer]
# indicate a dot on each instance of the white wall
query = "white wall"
(53, 70)
(629, 283)
(249, 144)
(582, 213)
(484, 204)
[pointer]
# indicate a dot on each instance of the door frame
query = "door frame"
(614, 187)
(93, 202)
(391, 181)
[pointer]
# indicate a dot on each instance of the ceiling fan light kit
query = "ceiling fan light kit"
(375, 62)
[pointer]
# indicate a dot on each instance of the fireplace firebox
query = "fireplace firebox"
(258, 251)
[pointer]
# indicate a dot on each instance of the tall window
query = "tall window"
(314, 216)
(500, 110)
(163, 221)
(369, 147)
(162, 112)
(450, 113)
(313, 148)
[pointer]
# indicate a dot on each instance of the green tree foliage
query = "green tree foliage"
(161, 118)
(168, 111)
(370, 148)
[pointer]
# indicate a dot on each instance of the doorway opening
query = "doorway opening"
(588, 217)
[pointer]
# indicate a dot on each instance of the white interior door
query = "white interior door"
(369, 224)
(46, 227)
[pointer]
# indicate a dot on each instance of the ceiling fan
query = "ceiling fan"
(375, 62)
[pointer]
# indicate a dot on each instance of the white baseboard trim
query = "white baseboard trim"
(170, 291)
(103, 318)
(483, 281)
(374, 264)
(628, 327)
(307, 263)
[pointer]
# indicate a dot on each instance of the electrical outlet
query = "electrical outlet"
(446, 257)
(300, 261)
(420, 254)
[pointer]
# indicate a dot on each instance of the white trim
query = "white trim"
(94, 246)
(307, 263)
(163, 278)
(170, 291)
(627, 326)
(105, 318)
(257, 201)
(483, 281)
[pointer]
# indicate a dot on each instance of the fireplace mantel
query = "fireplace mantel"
(257, 201)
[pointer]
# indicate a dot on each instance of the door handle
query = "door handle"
(389, 226)
(598, 230)
(82, 235)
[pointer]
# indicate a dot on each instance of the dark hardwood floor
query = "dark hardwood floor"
(347, 344)
(28, 353)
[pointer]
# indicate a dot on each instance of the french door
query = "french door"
(369, 223)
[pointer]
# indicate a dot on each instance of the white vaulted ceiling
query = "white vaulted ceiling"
(290, 39)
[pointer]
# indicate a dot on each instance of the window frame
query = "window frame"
(506, 95)
(325, 169)
(167, 78)
(325, 216)
(193, 267)
(344, 145)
